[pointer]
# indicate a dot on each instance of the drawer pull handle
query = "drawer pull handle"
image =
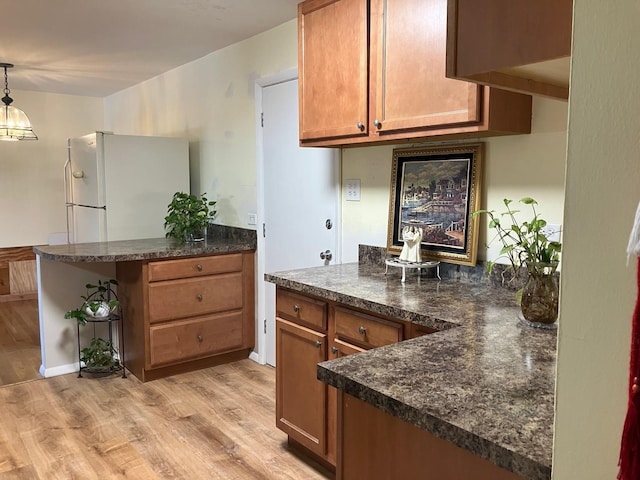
(296, 308)
(199, 267)
(199, 297)
(334, 350)
(200, 338)
(318, 343)
(362, 331)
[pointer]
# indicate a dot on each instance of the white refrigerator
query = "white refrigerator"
(117, 187)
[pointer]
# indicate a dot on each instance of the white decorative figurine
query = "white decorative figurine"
(412, 237)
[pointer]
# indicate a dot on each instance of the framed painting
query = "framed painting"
(434, 190)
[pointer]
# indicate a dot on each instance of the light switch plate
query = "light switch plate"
(252, 219)
(352, 188)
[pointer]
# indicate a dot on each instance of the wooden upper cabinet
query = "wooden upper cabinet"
(373, 71)
(332, 60)
(408, 88)
(520, 45)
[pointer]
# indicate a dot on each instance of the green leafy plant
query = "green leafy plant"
(187, 215)
(522, 242)
(99, 301)
(100, 354)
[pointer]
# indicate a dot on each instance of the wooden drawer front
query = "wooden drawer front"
(366, 330)
(341, 349)
(175, 299)
(189, 339)
(194, 267)
(301, 309)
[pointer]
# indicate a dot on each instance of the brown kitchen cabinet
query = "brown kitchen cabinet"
(518, 45)
(188, 313)
(378, 446)
(377, 74)
(310, 331)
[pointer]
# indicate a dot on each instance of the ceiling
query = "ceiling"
(98, 47)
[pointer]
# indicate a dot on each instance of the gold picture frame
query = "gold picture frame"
(437, 189)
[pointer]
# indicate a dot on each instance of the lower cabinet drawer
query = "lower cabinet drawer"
(188, 339)
(190, 297)
(366, 330)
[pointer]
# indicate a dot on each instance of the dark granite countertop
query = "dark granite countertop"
(219, 240)
(485, 382)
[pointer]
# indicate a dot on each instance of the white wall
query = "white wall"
(598, 287)
(210, 101)
(515, 166)
(31, 172)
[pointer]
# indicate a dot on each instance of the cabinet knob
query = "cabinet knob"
(360, 126)
(199, 267)
(199, 297)
(200, 338)
(334, 350)
(377, 123)
(296, 308)
(362, 330)
(318, 343)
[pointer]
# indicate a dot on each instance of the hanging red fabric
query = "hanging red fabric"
(629, 462)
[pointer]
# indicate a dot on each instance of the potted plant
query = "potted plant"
(526, 244)
(188, 216)
(99, 302)
(99, 356)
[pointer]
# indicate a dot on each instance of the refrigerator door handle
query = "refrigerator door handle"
(68, 194)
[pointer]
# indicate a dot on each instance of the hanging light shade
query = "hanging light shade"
(14, 123)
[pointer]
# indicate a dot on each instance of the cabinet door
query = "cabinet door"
(300, 397)
(333, 68)
(409, 89)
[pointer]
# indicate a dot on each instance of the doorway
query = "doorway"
(298, 199)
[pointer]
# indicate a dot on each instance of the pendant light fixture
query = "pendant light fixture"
(14, 124)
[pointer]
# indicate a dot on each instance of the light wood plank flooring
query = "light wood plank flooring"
(216, 423)
(19, 341)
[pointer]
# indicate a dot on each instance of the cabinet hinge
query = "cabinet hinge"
(265, 325)
(264, 230)
(262, 119)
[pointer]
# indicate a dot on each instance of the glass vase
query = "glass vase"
(540, 294)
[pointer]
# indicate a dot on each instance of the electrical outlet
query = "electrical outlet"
(552, 231)
(352, 190)
(252, 219)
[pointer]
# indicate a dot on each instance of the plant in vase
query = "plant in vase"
(526, 244)
(188, 216)
(99, 302)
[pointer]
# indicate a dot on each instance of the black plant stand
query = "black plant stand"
(109, 320)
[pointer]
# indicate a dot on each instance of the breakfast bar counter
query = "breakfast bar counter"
(64, 270)
(484, 382)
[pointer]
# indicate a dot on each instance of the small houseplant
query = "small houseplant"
(188, 216)
(526, 244)
(99, 301)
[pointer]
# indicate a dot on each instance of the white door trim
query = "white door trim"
(284, 76)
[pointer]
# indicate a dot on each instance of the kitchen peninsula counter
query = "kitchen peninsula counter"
(485, 382)
(144, 249)
(64, 270)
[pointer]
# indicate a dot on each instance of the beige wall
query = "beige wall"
(31, 175)
(211, 102)
(515, 167)
(598, 287)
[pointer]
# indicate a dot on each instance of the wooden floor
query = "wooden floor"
(216, 423)
(19, 341)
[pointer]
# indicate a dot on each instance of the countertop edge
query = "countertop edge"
(486, 449)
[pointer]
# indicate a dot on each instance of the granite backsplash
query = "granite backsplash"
(500, 276)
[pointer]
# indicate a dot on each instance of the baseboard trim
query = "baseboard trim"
(60, 370)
